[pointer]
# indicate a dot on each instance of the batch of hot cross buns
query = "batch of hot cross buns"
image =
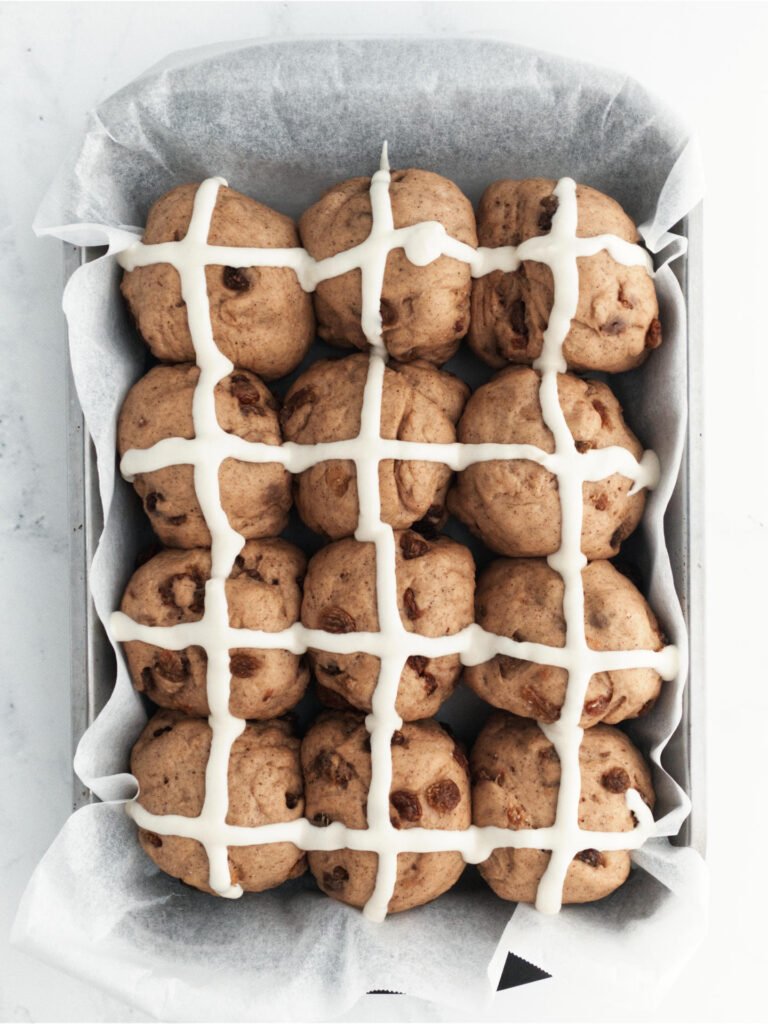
(265, 322)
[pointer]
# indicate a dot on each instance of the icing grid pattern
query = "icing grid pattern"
(393, 643)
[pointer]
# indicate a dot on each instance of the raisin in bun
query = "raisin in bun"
(262, 319)
(616, 321)
(430, 789)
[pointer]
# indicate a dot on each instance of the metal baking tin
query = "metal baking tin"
(93, 660)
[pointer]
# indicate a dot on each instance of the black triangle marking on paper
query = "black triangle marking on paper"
(519, 972)
(516, 972)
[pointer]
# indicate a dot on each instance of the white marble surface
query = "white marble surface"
(58, 60)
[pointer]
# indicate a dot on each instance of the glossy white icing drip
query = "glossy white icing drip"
(565, 734)
(383, 720)
(226, 543)
(393, 643)
(474, 645)
(599, 462)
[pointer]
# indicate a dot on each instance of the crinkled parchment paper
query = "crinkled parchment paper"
(282, 121)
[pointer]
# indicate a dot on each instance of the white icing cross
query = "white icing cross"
(393, 643)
